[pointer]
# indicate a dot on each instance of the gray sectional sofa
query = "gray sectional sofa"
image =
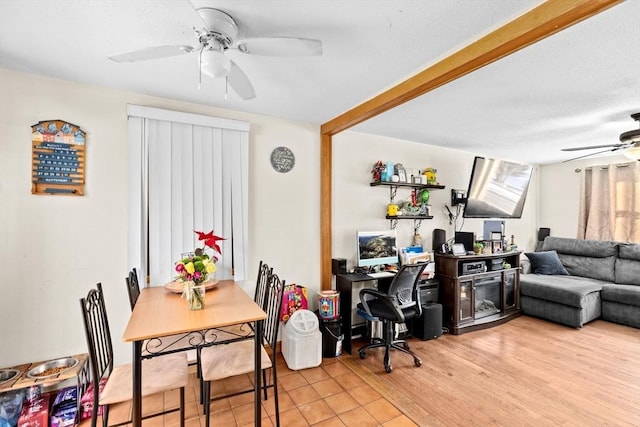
(600, 279)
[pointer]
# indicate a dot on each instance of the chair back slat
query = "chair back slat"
(272, 306)
(133, 287)
(264, 276)
(98, 336)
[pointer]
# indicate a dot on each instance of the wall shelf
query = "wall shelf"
(393, 189)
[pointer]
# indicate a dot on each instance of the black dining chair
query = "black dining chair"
(237, 358)
(264, 276)
(399, 305)
(133, 287)
(159, 374)
(170, 343)
(237, 331)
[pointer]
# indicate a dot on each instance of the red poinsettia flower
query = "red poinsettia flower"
(210, 240)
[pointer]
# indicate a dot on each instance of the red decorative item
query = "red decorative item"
(210, 240)
(294, 298)
(377, 170)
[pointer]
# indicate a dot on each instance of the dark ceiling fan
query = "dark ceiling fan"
(629, 142)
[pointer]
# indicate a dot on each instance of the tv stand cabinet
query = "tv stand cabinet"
(478, 291)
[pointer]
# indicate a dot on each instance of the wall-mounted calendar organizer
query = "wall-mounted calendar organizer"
(58, 156)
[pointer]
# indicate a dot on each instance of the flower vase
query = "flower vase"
(194, 294)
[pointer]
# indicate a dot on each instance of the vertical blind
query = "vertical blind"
(186, 172)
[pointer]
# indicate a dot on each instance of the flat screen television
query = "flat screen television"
(497, 189)
(377, 248)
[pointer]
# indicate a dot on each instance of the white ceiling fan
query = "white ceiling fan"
(216, 37)
(629, 143)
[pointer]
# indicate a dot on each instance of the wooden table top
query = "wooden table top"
(159, 312)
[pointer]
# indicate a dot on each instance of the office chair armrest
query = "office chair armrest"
(368, 294)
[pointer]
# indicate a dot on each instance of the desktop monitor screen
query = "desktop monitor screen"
(377, 248)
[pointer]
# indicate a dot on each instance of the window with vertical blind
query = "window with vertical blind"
(186, 172)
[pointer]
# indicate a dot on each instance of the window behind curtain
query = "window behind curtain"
(187, 172)
(610, 203)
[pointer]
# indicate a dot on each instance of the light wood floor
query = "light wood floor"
(527, 372)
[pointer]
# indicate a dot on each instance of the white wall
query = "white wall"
(53, 249)
(358, 206)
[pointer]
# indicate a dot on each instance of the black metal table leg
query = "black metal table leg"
(257, 373)
(136, 368)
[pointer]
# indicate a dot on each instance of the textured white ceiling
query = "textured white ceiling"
(576, 88)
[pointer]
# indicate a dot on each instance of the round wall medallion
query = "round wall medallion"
(282, 159)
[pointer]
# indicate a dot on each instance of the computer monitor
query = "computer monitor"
(377, 248)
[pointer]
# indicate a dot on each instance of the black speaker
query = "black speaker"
(429, 325)
(338, 266)
(467, 239)
(439, 239)
(542, 233)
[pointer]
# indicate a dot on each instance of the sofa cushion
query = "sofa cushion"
(627, 266)
(624, 314)
(586, 258)
(546, 262)
(567, 290)
(623, 294)
(560, 313)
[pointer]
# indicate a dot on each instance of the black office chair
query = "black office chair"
(399, 305)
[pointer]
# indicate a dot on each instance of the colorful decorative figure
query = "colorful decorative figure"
(377, 170)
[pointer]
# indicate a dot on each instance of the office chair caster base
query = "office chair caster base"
(417, 362)
(388, 369)
(362, 354)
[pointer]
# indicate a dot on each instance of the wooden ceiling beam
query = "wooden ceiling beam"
(537, 24)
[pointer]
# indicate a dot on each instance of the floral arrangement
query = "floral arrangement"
(194, 267)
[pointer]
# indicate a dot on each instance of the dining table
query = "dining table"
(161, 312)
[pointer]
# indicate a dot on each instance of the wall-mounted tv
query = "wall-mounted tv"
(497, 189)
(377, 248)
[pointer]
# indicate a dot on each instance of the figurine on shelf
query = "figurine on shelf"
(378, 169)
(430, 173)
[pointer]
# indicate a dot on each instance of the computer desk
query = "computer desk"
(349, 286)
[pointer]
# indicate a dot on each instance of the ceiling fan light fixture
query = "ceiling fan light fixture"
(631, 136)
(633, 152)
(214, 63)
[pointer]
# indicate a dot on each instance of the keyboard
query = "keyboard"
(381, 274)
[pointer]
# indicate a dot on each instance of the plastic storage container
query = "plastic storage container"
(329, 305)
(332, 337)
(302, 341)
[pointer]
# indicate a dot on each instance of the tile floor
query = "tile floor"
(326, 396)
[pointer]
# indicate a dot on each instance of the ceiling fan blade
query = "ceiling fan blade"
(614, 146)
(151, 53)
(587, 155)
(281, 46)
(240, 83)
